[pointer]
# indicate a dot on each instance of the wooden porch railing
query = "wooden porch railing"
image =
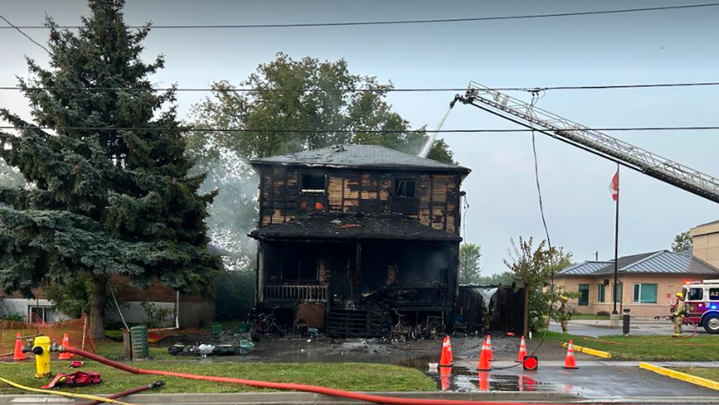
(293, 293)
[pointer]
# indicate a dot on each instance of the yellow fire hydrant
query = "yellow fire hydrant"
(41, 349)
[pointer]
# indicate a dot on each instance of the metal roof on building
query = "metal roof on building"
(582, 268)
(660, 262)
(374, 156)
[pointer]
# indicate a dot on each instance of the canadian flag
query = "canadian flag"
(614, 186)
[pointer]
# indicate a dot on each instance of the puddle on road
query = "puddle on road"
(461, 379)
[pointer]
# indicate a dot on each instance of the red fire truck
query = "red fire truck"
(702, 302)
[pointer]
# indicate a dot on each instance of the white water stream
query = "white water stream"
(432, 136)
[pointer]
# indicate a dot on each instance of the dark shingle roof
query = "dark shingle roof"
(373, 156)
(661, 262)
(354, 227)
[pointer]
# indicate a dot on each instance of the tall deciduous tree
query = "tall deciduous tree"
(115, 200)
(469, 270)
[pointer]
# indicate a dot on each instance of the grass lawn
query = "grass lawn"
(708, 373)
(591, 317)
(347, 376)
(664, 348)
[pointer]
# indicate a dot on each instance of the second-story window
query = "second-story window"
(313, 183)
(405, 188)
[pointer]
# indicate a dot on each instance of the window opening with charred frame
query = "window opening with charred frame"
(313, 183)
(405, 188)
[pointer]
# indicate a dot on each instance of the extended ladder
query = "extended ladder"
(532, 117)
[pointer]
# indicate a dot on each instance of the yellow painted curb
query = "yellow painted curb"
(591, 352)
(678, 375)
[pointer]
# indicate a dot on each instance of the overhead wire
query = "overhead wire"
(361, 90)
(351, 131)
(402, 22)
(24, 34)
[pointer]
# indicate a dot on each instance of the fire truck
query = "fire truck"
(702, 303)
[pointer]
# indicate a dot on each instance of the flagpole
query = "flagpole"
(616, 247)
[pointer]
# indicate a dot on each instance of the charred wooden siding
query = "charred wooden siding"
(436, 201)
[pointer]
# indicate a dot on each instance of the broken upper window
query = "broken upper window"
(405, 188)
(313, 183)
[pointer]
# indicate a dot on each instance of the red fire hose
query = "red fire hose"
(156, 384)
(287, 386)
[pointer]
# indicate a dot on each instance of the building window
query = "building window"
(313, 183)
(645, 293)
(42, 313)
(405, 188)
(617, 292)
(601, 293)
(696, 294)
(583, 295)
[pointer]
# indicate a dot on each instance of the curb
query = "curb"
(678, 375)
(302, 398)
(591, 352)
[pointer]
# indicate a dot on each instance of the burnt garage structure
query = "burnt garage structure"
(358, 240)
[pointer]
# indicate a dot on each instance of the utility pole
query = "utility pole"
(616, 242)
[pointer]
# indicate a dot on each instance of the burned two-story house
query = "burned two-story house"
(358, 240)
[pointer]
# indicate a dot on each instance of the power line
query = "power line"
(352, 131)
(24, 34)
(402, 22)
(366, 90)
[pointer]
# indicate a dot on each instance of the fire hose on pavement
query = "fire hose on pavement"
(285, 386)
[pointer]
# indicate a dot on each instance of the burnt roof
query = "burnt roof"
(354, 227)
(660, 262)
(356, 156)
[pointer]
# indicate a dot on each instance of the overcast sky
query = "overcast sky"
(666, 46)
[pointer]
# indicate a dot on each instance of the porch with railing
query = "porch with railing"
(295, 293)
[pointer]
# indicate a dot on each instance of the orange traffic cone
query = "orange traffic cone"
(445, 359)
(522, 350)
(483, 381)
(65, 343)
(18, 355)
(445, 378)
(489, 348)
(484, 359)
(569, 362)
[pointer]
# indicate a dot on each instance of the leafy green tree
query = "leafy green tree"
(682, 242)
(107, 201)
(534, 267)
(469, 270)
(290, 99)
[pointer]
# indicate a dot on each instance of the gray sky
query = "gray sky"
(667, 46)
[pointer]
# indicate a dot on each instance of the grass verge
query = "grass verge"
(346, 376)
(647, 348)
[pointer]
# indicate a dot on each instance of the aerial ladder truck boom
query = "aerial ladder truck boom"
(596, 142)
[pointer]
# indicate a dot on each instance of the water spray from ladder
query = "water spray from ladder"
(432, 136)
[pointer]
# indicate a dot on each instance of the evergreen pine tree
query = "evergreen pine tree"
(104, 199)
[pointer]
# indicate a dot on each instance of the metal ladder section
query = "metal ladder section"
(586, 138)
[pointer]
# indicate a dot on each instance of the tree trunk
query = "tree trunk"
(97, 307)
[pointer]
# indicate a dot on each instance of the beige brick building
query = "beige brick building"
(647, 282)
(706, 242)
